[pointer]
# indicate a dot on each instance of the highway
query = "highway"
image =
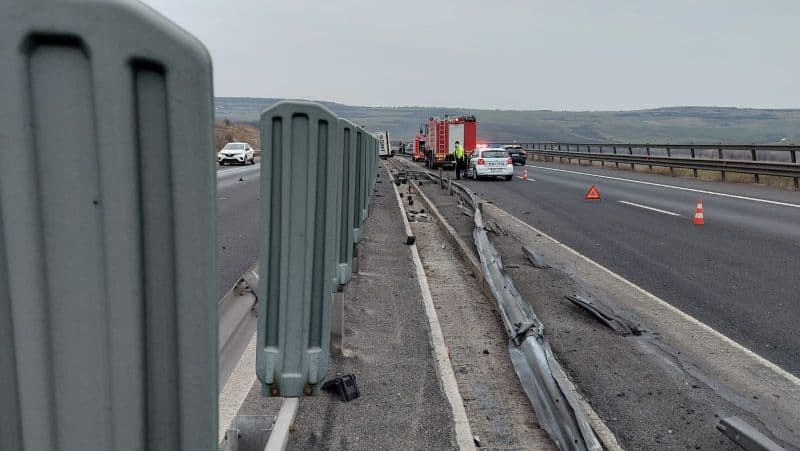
(237, 222)
(738, 273)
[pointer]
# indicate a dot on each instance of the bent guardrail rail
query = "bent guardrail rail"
(542, 378)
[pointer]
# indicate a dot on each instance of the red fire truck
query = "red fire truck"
(419, 148)
(437, 139)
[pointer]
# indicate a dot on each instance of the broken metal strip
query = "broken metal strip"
(746, 436)
(536, 259)
(607, 318)
(236, 314)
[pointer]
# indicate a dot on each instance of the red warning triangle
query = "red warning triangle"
(593, 194)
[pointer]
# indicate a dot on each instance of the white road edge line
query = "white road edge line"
(237, 387)
(279, 437)
(648, 208)
(713, 193)
(443, 364)
(790, 377)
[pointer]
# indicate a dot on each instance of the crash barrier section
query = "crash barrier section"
(542, 378)
(315, 167)
(755, 159)
(107, 233)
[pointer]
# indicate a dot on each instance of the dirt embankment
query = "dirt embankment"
(226, 131)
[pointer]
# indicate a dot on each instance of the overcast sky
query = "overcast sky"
(504, 54)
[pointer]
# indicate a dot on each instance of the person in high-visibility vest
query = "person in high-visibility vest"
(460, 157)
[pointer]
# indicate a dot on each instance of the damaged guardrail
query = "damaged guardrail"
(542, 378)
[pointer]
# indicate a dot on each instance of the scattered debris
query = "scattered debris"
(345, 386)
(241, 179)
(536, 259)
(605, 315)
(477, 440)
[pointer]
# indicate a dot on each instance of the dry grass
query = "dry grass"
(715, 176)
(226, 131)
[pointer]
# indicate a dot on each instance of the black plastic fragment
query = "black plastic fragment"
(345, 386)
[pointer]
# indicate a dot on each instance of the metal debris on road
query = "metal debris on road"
(536, 259)
(605, 315)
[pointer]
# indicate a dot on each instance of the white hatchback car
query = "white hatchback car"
(239, 153)
(491, 162)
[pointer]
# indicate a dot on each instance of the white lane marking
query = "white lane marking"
(443, 364)
(794, 380)
(714, 193)
(649, 208)
(237, 169)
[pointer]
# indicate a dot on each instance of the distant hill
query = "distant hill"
(226, 131)
(662, 125)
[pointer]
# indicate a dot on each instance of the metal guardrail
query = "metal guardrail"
(772, 160)
(544, 381)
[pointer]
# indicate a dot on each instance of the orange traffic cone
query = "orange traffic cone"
(525, 174)
(698, 213)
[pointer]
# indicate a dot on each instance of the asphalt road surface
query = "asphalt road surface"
(738, 273)
(237, 222)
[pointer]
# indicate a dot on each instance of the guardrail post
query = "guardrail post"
(298, 253)
(722, 173)
(649, 166)
(602, 162)
(754, 158)
(630, 152)
(694, 171)
(108, 297)
(671, 169)
(616, 163)
(796, 179)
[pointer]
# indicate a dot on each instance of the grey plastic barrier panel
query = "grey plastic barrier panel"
(107, 235)
(361, 136)
(300, 178)
(365, 164)
(373, 172)
(348, 141)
